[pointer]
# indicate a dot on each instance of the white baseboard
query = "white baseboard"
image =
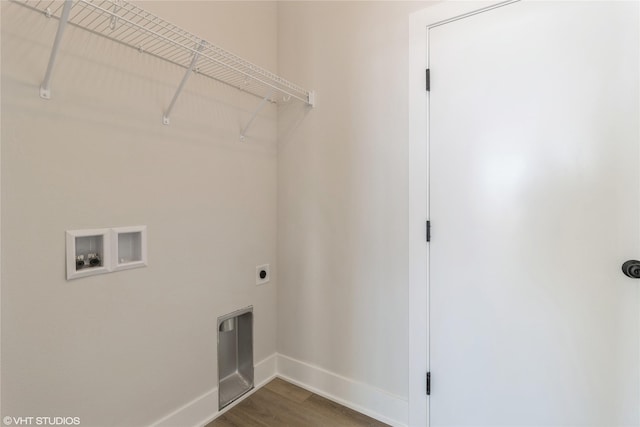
(371, 401)
(204, 408)
(361, 397)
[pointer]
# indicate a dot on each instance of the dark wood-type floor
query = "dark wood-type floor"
(280, 403)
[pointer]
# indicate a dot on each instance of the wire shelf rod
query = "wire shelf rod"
(84, 9)
(163, 37)
(60, 6)
(45, 87)
(244, 130)
(142, 28)
(194, 61)
(153, 22)
(217, 49)
(87, 14)
(137, 28)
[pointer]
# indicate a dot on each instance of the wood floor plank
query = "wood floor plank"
(342, 412)
(288, 390)
(222, 421)
(247, 413)
(279, 404)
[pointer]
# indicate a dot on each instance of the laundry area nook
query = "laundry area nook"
(235, 355)
(320, 213)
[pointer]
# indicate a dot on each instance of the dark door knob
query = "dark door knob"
(631, 269)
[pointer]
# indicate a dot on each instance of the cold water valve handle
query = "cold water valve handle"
(631, 269)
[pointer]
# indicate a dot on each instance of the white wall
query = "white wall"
(343, 191)
(128, 347)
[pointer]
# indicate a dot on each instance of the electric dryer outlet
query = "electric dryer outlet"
(263, 275)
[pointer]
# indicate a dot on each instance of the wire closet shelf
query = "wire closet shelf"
(133, 26)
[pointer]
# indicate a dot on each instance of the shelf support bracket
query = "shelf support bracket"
(255, 114)
(194, 61)
(113, 23)
(45, 87)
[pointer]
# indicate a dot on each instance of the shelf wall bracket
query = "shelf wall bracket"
(113, 23)
(255, 114)
(311, 102)
(45, 87)
(192, 66)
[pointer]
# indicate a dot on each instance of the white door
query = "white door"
(534, 205)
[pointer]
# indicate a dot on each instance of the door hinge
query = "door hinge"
(428, 383)
(428, 76)
(428, 231)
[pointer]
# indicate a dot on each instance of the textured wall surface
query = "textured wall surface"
(343, 190)
(126, 348)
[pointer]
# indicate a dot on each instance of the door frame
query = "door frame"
(419, 24)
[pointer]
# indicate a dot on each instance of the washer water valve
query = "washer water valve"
(90, 260)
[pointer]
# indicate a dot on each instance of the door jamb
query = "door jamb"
(419, 24)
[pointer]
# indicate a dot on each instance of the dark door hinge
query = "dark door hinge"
(428, 75)
(428, 383)
(428, 231)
